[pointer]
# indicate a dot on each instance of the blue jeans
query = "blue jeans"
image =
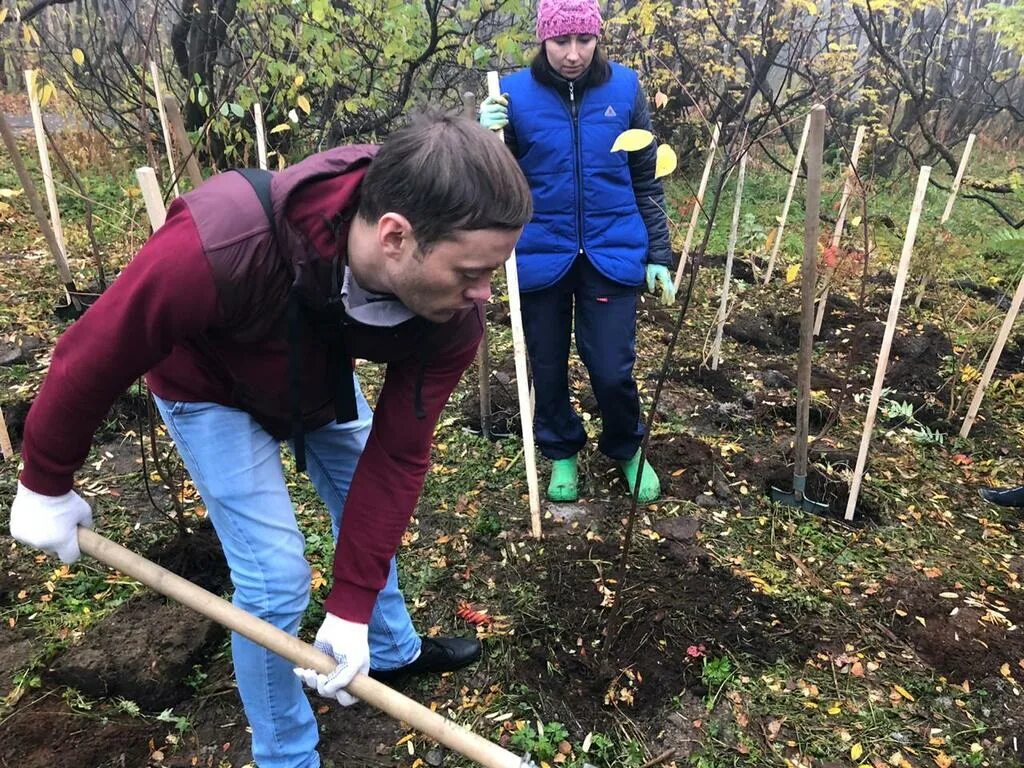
(605, 314)
(236, 465)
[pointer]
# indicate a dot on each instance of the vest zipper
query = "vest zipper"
(579, 167)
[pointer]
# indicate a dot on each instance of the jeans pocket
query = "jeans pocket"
(183, 408)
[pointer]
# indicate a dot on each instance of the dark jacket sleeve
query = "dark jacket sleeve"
(650, 195)
(389, 476)
(166, 294)
(510, 135)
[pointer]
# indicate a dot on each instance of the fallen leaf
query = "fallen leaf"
(856, 751)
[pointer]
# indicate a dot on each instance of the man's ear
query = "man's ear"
(394, 235)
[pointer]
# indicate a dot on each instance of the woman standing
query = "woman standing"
(599, 230)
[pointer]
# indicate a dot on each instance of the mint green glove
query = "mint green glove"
(656, 273)
(494, 112)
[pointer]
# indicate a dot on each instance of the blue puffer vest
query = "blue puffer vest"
(583, 195)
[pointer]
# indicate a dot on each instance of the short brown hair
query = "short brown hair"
(445, 174)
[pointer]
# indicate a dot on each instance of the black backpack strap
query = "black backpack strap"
(260, 181)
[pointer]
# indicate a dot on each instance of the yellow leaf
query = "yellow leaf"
(78, 56)
(1005, 670)
(45, 94)
(943, 760)
(280, 127)
(856, 751)
(632, 140)
(791, 272)
(903, 692)
(3, 15)
(660, 99)
(667, 161)
(303, 103)
(299, 80)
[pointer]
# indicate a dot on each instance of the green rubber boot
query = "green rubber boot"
(650, 486)
(564, 485)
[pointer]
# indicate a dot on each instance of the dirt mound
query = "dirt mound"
(676, 608)
(964, 635)
(685, 464)
(767, 330)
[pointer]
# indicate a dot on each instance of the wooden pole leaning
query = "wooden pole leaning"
(164, 127)
(6, 449)
(777, 245)
(37, 209)
(837, 233)
(723, 305)
(483, 355)
(289, 647)
(181, 139)
(519, 350)
(698, 204)
(151, 196)
(890, 332)
(44, 159)
(993, 359)
(926, 273)
(261, 135)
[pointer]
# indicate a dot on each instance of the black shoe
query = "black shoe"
(437, 654)
(1004, 497)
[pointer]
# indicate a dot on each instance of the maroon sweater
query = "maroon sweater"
(176, 288)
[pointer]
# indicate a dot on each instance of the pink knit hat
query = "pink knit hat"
(567, 17)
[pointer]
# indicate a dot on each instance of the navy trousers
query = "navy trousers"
(606, 341)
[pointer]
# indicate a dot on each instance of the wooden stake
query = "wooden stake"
(387, 700)
(993, 359)
(164, 127)
(789, 199)
(716, 349)
(483, 354)
(890, 331)
(37, 209)
(519, 349)
(946, 213)
(5, 438)
(261, 136)
(697, 204)
(837, 234)
(44, 161)
(151, 196)
(808, 283)
(181, 139)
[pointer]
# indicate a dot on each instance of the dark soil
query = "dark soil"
(675, 598)
(143, 652)
(197, 557)
(51, 735)
(685, 464)
(826, 489)
(998, 297)
(959, 644)
(719, 383)
(766, 330)
(915, 358)
(504, 401)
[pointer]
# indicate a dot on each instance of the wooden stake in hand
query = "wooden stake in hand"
(697, 205)
(716, 349)
(890, 331)
(837, 234)
(789, 199)
(519, 349)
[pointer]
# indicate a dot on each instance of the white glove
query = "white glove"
(50, 523)
(347, 642)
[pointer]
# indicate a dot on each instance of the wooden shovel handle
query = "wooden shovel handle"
(294, 650)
